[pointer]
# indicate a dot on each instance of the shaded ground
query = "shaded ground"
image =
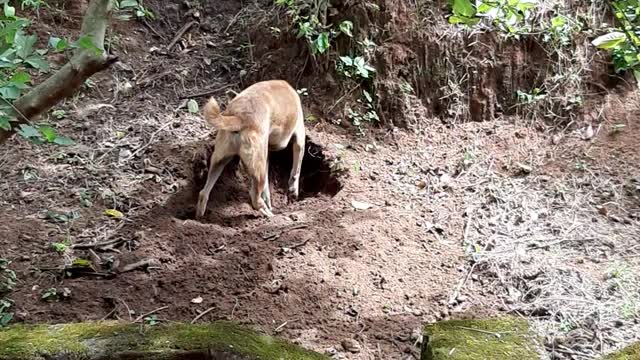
(501, 196)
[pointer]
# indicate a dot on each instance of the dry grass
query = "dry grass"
(547, 250)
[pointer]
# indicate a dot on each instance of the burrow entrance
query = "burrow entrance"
(316, 177)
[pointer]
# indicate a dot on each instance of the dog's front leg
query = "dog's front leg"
(215, 170)
(266, 193)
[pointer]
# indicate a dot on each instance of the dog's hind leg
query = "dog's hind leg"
(218, 162)
(254, 157)
(298, 154)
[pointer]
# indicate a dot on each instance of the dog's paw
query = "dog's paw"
(293, 194)
(266, 212)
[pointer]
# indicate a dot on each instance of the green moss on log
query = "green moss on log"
(105, 340)
(498, 339)
(631, 352)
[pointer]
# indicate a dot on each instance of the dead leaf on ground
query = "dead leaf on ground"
(114, 213)
(359, 205)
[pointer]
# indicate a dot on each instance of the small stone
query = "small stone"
(351, 346)
(124, 154)
(588, 133)
(525, 168)
(126, 88)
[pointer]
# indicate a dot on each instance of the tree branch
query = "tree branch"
(62, 84)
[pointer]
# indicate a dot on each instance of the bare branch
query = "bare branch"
(70, 77)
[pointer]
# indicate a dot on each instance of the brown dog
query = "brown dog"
(264, 117)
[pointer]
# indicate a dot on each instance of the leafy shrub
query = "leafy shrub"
(623, 41)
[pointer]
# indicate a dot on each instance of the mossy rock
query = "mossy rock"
(115, 340)
(497, 339)
(631, 352)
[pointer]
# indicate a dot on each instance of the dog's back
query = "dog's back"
(269, 106)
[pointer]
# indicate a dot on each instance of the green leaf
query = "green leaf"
(464, 8)
(5, 122)
(558, 21)
(78, 262)
(322, 43)
(10, 92)
(114, 213)
(20, 79)
(609, 41)
(48, 132)
(86, 43)
(5, 318)
(24, 44)
(58, 44)
(128, 4)
(457, 20)
(636, 74)
(346, 60)
(367, 96)
(63, 141)
(38, 63)
(485, 7)
(28, 131)
(346, 28)
(9, 11)
(192, 105)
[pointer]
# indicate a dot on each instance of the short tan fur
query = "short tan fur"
(264, 117)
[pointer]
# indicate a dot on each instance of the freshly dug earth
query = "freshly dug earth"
(325, 272)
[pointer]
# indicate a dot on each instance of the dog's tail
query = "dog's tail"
(212, 116)
(211, 111)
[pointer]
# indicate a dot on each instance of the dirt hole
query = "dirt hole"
(316, 177)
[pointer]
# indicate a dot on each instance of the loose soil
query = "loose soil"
(321, 272)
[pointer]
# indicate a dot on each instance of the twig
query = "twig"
(149, 313)
(342, 98)
(301, 244)
(207, 92)
(128, 309)
(15, 109)
(137, 265)
(458, 288)
(97, 245)
(109, 314)
(202, 314)
(166, 125)
(234, 19)
(234, 308)
(281, 326)
(276, 235)
(180, 33)
(154, 30)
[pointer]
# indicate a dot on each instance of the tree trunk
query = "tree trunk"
(72, 76)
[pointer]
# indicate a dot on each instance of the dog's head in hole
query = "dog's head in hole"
(264, 117)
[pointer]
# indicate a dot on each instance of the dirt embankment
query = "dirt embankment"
(429, 68)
